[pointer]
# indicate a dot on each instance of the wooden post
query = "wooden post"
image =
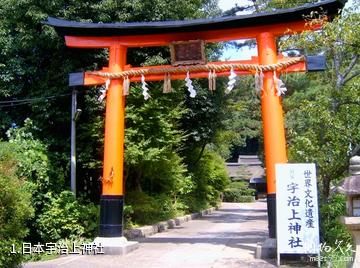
(112, 198)
(273, 124)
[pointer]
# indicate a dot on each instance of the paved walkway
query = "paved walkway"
(226, 238)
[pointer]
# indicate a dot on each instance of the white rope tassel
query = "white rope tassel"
(103, 90)
(279, 86)
(212, 80)
(259, 82)
(144, 88)
(167, 83)
(126, 86)
(232, 81)
(190, 86)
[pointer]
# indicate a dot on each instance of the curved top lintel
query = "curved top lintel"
(66, 27)
(250, 25)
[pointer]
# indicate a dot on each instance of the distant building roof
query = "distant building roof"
(250, 160)
(247, 167)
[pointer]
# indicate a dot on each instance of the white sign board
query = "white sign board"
(297, 209)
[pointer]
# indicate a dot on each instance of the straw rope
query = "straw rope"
(198, 68)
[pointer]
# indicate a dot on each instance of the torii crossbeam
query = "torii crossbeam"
(117, 37)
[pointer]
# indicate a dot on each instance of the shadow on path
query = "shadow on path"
(225, 239)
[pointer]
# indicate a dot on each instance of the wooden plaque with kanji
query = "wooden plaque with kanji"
(187, 52)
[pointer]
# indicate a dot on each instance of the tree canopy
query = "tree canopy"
(175, 145)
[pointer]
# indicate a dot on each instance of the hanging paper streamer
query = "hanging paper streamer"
(167, 83)
(190, 86)
(279, 86)
(212, 80)
(232, 80)
(259, 81)
(103, 91)
(126, 86)
(144, 88)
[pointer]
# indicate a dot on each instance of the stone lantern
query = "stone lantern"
(351, 188)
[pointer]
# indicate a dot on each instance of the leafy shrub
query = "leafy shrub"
(238, 192)
(128, 221)
(242, 187)
(15, 207)
(7, 258)
(334, 234)
(168, 176)
(31, 163)
(246, 199)
(146, 209)
(234, 196)
(62, 243)
(210, 178)
(331, 229)
(65, 217)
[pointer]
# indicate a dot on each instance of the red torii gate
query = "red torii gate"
(117, 37)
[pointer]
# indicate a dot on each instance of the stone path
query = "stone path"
(226, 238)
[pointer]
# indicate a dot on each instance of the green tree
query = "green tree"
(15, 206)
(324, 120)
(35, 63)
(317, 133)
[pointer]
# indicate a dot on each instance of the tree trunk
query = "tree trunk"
(200, 154)
(326, 187)
(138, 181)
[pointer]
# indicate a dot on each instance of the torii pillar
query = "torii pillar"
(264, 27)
(273, 124)
(112, 198)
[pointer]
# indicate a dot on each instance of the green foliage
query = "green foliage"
(331, 229)
(238, 192)
(15, 207)
(31, 50)
(242, 187)
(340, 258)
(62, 243)
(210, 179)
(323, 120)
(243, 117)
(146, 209)
(317, 133)
(128, 221)
(155, 136)
(8, 259)
(168, 176)
(333, 234)
(153, 139)
(65, 217)
(151, 126)
(33, 163)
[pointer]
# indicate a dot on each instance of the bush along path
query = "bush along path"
(225, 238)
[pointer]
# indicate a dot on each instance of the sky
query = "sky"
(244, 53)
(232, 54)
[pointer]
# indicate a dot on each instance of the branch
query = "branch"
(337, 63)
(348, 103)
(256, 6)
(351, 65)
(234, 10)
(356, 73)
